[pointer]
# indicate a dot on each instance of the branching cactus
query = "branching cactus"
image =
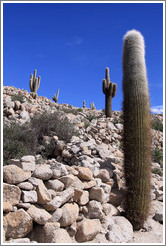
(109, 89)
(34, 84)
(137, 130)
(55, 98)
(84, 106)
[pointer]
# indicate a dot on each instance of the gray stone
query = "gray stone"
(29, 196)
(42, 171)
(38, 214)
(54, 185)
(69, 214)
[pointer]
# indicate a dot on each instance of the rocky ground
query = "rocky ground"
(76, 195)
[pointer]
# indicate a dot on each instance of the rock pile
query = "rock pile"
(78, 195)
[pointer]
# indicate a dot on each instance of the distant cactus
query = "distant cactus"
(55, 98)
(92, 106)
(34, 84)
(84, 106)
(137, 130)
(109, 89)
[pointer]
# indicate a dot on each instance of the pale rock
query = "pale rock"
(18, 240)
(14, 175)
(88, 185)
(61, 236)
(54, 185)
(34, 181)
(70, 213)
(58, 170)
(84, 173)
(11, 194)
(87, 229)
(19, 224)
(84, 198)
(42, 193)
(95, 210)
(25, 115)
(7, 207)
(38, 214)
(72, 181)
(119, 126)
(10, 112)
(104, 175)
(56, 215)
(53, 204)
(120, 230)
(156, 210)
(25, 186)
(29, 196)
(42, 171)
(17, 105)
(97, 193)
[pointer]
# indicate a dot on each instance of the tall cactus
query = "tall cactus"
(34, 84)
(55, 98)
(84, 106)
(137, 129)
(109, 89)
(92, 106)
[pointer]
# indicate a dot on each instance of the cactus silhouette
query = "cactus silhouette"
(109, 89)
(84, 106)
(137, 130)
(34, 84)
(55, 98)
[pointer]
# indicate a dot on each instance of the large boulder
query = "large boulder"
(14, 175)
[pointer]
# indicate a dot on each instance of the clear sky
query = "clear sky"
(71, 44)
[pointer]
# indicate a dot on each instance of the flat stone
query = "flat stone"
(38, 214)
(29, 196)
(54, 185)
(42, 171)
(95, 210)
(25, 186)
(14, 175)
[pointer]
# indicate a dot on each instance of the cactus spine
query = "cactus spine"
(34, 84)
(137, 130)
(55, 98)
(109, 89)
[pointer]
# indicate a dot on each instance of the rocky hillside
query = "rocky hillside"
(63, 175)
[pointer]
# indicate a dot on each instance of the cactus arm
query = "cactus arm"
(104, 86)
(35, 71)
(31, 82)
(38, 82)
(114, 90)
(57, 95)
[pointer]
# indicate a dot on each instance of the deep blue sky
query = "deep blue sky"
(71, 44)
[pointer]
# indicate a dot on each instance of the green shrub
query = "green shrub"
(19, 98)
(90, 117)
(157, 125)
(157, 156)
(157, 171)
(74, 111)
(48, 124)
(27, 139)
(18, 141)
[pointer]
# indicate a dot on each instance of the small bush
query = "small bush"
(69, 110)
(157, 156)
(48, 124)
(19, 98)
(90, 117)
(17, 142)
(157, 125)
(157, 171)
